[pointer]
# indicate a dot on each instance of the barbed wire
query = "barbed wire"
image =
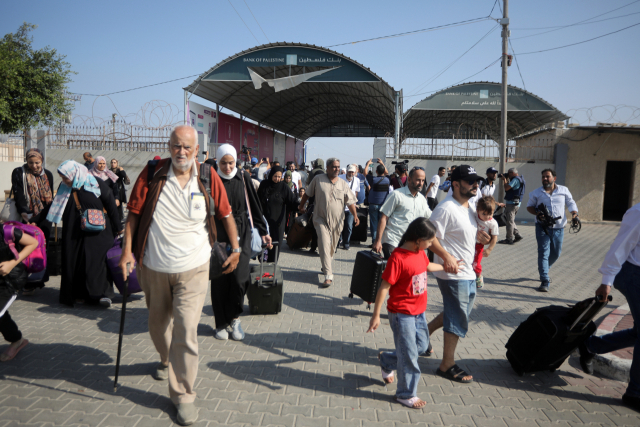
(607, 113)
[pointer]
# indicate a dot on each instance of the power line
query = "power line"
(424, 30)
(584, 41)
(421, 86)
(245, 24)
(136, 88)
(494, 6)
(254, 17)
(589, 19)
(559, 27)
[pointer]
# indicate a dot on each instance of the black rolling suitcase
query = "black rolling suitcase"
(545, 340)
(367, 276)
(54, 254)
(266, 294)
(359, 233)
(500, 217)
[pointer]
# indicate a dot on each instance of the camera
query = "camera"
(501, 175)
(403, 162)
(246, 150)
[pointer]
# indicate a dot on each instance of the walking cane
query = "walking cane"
(123, 311)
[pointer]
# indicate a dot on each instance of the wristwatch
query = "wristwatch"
(236, 250)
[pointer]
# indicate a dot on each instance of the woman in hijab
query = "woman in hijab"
(32, 188)
(227, 292)
(275, 197)
(84, 267)
(291, 213)
(123, 180)
(99, 170)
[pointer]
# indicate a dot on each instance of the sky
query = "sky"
(121, 45)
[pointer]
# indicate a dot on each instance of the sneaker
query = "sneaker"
(346, 247)
(28, 292)
(586, 358)
(220, 334)
(544, 286)
(506, 242)
(517, 238)
(235, 329)
(632, 402)
(480, 282)
(105, 302)
(162, 372)
(187, 413)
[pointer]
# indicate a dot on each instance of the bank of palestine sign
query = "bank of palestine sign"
(300, 65)
(482, 97)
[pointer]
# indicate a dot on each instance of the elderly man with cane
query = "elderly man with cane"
(171, 231)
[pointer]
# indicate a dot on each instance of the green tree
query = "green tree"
(33, 83)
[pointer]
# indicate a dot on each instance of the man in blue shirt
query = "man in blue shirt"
(514, 191)
(555, 197)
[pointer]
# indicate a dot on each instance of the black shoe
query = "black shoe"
(345, 247)
(586, 358)
(631, 401)
(506, 242)
(517, 238)
(313, 250)
(544, 287)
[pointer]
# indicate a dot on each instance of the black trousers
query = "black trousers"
(227, 299)
(9, 329)
(432, 202)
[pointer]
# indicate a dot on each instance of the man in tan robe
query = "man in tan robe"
(332, 195)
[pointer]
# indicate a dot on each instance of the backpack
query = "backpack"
(37, 260)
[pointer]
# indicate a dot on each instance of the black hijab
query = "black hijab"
(274, 195)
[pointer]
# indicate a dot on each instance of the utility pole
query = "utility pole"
(503, 112)
(396, 148)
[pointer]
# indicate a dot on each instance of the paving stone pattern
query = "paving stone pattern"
(625, 322)
(313, 365)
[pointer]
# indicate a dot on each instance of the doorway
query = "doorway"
(617, 190)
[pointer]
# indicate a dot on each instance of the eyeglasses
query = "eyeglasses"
(420, 168)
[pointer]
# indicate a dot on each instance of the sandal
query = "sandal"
(10, 353)
(429, 351)
(454, 373)
(414, 403)
(387, 377)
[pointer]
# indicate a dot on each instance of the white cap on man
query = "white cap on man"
(351, 168)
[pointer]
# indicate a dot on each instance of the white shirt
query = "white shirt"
(433, 192)
(178, 241)
(296, 178)
(354, 186)
(490, 227)
(488, 190)
(401, 208)
(457, 231)
(626, 246)
(556, 201)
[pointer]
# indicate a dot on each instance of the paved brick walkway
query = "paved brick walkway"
(313, 365)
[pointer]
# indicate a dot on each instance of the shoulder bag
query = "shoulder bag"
(219, 252)
(91, 220)
(256, 240)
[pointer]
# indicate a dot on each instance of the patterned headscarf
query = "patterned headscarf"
(79, 175)
(105, 174)
(38, 187)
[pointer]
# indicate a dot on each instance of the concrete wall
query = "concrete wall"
(587, 164)
(530, 171)
(5, 175)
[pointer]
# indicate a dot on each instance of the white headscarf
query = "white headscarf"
(223, 150)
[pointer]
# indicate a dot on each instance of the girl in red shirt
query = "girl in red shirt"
(405, 280)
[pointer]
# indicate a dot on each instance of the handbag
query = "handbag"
(91, 220)
(218, 258)
(256, 240)
(9, 210)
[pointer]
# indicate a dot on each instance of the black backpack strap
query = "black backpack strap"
(204, 175)
(151, 171)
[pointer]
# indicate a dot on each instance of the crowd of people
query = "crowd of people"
(184, 216)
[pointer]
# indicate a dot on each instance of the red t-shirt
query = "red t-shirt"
(141, 187)
(406, 271)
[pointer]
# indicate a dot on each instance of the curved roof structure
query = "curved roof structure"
(474, 108)
(301, 90)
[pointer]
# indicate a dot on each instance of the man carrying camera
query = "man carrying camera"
(547, 204)
(514, 192)
(399, 179)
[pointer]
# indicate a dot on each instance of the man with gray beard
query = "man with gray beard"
(170, 230)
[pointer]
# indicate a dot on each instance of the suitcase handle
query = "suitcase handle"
(376, 254)
(275, 267)
(598, 299)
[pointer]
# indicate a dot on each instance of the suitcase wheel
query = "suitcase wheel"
(368, 306)
(351, 295)
(552, 370)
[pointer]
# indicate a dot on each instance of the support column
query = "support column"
(396, 148)
(186, 108)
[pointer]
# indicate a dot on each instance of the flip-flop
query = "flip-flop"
(412, 403)
(454, 373)
(10, 353)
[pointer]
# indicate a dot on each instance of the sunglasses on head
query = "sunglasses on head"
(420, 168)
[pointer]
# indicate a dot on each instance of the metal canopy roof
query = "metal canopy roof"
(301, 90)
(474, 109)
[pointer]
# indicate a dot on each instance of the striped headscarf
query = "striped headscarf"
(80, 177)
